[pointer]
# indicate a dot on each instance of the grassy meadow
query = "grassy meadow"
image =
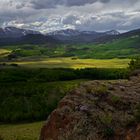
(69, 62)
(4, 51)
(30, 131)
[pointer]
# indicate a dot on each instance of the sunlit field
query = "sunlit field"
(4, 51)
(69, 62)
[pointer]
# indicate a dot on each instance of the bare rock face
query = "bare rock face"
(97, 110)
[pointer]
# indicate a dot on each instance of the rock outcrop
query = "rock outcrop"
(97, 110)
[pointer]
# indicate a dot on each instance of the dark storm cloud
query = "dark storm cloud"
(53, 3)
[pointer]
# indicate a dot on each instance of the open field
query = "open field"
(29, 131)
(68, 62)
(4, 51)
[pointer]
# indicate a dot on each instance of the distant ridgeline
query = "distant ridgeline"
(12, 35)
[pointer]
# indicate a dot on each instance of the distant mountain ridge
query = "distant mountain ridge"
(67, 32)
(13, 32)
(112, 32)
(71, 32)
(13, 35)
(76, 36)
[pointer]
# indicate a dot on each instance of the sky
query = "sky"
(88, 15)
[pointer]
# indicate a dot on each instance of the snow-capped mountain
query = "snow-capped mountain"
(13, 32)
(71, 32)
(67, 32)
(70, 35)
(112, 32)
(12, 35)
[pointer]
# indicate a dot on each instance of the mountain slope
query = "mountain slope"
(13, 32)
(112, 32)
(13, 36)
(37, 39)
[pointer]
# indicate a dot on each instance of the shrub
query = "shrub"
(137, 113)
(100, 90)
(106, 119)
(109, 132)
(14, 65)
(27, 94)
(49, 75)
(115, 99)
(134, 64)
(31, 101)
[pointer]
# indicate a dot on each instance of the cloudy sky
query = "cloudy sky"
(51, 15)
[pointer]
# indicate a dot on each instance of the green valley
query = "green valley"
(35, 77)
(121, 48)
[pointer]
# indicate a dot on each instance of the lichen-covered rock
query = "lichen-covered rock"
(97, 110)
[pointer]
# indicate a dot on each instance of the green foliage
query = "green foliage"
(137, 113)
(107, 122)
(50, 75)
(31, 94)
(31, 101)
(109, 132)
(134, 64)
(121, 48)
(101, 90)
(106, 119)
(115, 99)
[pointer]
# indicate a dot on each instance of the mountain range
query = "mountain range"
(71, 32)
(13, 35)
(13, 32)
(75, 36)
